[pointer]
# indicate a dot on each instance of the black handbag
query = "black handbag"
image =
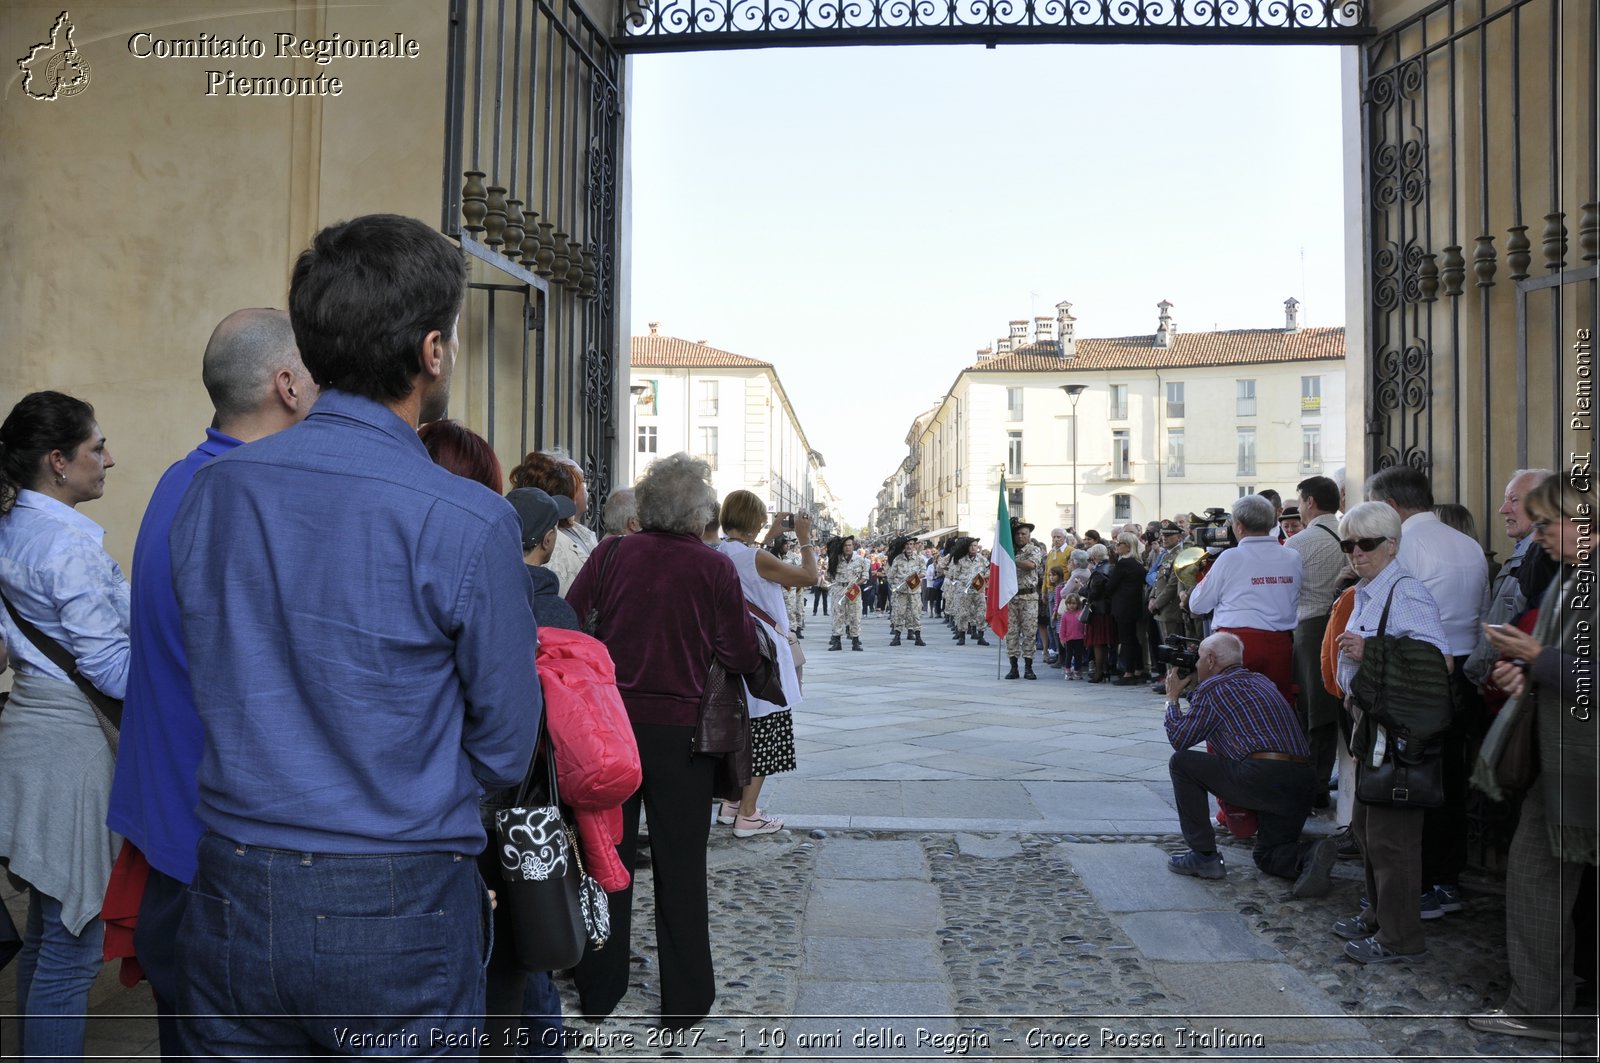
(1407, 778)
(554, 907)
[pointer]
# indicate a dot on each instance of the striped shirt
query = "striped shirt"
(1413, 613)
(1239, 712)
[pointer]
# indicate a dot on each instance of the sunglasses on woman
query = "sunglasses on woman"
(1367, 545)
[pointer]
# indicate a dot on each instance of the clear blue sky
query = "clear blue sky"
(866, 218)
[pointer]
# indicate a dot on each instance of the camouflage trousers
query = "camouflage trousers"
(904, 612)
(1022, 630)
(846, 616)
(797, 610)
(972, 607)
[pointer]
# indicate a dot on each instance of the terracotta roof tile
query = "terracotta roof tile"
(669, 352)
(1236, 347)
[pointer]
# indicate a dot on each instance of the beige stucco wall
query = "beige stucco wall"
(138, 212)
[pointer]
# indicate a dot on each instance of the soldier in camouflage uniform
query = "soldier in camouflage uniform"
(847, 570)
(969, 568)
(1022, 629)
(794, 597)
(906, 572)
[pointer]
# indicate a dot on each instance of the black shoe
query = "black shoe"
(918, 641)
(1316, 874)
(983, 641)
(833, 643)
(1346, 845)
(1013, 673)
(961, 639)
(1127, 681)
(855, 643)
(896, 640)
(1320, 801)
(1027, 668)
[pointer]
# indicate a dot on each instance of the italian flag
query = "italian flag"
(1002, 585)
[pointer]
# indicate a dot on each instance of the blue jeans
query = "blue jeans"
(272, 941)
(54, 972)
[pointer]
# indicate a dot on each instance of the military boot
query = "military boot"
(1013, 673)
(855, 643)
(1027, 668)
(896, 640)
(983, 641)
(833, 643)
(961, 639)
(918, 641)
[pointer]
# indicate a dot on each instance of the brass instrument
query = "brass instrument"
(1190, 564)
(913, 581)
(977, 582)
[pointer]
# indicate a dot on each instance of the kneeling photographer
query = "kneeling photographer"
(1258, 759)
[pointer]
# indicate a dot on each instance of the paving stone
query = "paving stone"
(988, 848)
(1297, 1012)
(894, 908)
(1134, 878)
(891, 959)
(1098, 800)
(862, 858)
(1196, 937)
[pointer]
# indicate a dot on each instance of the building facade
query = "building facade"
(732, 411)
(1162, 423)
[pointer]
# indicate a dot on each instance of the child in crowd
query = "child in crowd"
(1071, 633)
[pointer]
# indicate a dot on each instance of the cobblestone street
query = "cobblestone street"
(974, 866)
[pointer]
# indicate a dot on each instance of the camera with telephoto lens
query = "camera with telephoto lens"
(1180, 653)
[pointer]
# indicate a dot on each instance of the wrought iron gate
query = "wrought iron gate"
(1480, 141)
(533, 127)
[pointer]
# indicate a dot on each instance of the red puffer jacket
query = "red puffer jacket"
(597, 760)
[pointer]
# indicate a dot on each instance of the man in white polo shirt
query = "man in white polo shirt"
(1252, 591)
(1452, 566)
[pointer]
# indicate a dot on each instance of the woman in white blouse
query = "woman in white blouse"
(55, 759)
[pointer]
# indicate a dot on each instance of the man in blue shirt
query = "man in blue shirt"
(361, 649)
(258, 386)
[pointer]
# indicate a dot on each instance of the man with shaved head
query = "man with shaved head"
(1258, 759)
(258, 386)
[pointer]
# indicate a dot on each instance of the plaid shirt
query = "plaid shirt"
(1239, 712)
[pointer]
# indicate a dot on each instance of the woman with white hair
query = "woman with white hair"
(667, 607)
(1390, 836)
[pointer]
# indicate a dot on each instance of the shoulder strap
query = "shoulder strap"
(104, 705)
(1329, 530)
(1383, 620)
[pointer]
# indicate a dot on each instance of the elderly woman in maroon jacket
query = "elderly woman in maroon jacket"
(668, 605)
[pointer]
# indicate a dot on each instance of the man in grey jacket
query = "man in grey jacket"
(1503, 600)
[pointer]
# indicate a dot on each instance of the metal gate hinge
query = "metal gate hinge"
(532, 319)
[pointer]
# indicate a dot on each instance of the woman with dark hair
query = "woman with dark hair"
(555, 476)
(1100, 633)
(56, 756)
(668, 607)
(454, 446)
(510, 990)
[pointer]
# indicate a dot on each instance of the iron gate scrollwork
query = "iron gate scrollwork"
(1479, 123)
(678, 25)
(532, 161)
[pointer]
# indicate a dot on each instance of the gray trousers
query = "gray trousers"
(1540, 892)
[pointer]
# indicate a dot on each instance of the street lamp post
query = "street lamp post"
(1073, 392)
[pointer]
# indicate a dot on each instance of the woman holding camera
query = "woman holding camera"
(1390, 929)
(765, 578)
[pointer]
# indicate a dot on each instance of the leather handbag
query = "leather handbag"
(555, 909)
(1404, 779)
(1518, 763)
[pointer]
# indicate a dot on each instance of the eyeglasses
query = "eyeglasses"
(1367, 545)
